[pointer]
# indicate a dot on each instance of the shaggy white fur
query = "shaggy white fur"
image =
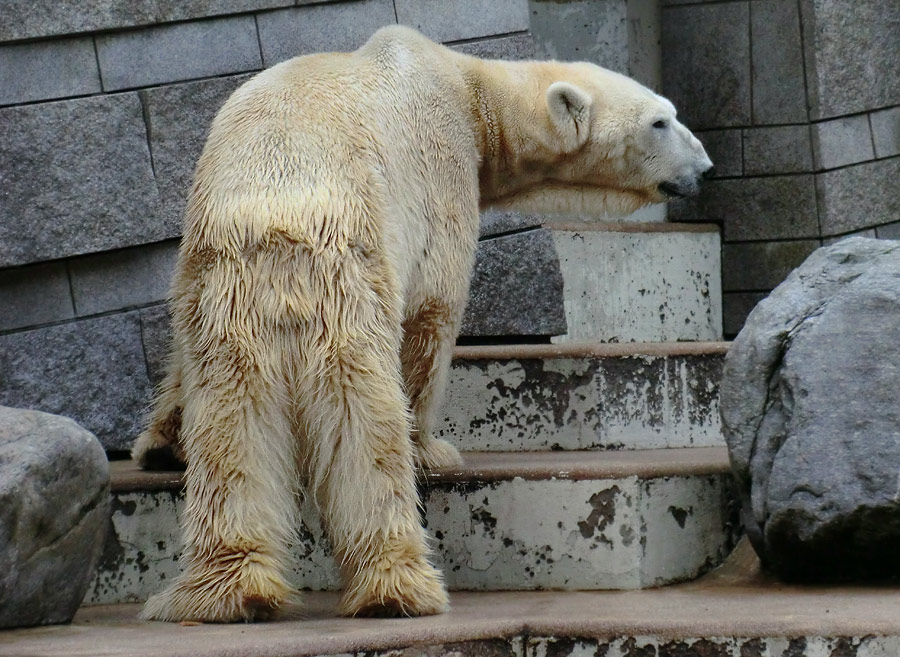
(328, 245)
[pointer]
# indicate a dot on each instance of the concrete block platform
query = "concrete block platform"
(551, 520)
(584, 396)
(639, 282)
(732, 612)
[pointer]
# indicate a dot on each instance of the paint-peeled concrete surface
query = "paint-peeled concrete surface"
(553, 520)
(646, 282)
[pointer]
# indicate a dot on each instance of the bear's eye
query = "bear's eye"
(660, 125)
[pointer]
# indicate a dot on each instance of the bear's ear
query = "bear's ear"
(570, 112)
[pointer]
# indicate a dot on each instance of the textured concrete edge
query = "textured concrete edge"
(630, 227)
(590, 349)
(497, 616)
(504, 466)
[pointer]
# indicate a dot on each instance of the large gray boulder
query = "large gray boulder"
(54, 513)
(810, 401)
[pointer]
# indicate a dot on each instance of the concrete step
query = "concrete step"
(639, 282)
(551, 520)
(584, 396)
(732, 612)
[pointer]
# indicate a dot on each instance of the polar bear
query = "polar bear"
(325, 264)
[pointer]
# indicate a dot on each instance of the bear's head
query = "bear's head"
(603, 142)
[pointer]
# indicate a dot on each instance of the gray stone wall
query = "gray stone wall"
(104, 108)
(798, 102)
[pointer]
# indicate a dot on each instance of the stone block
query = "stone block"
(33, 295)
(28, 19)
(77, 179)
(774, 207)
(584, 31)
(779, 90)
(182, 51)
(131, 277)
(735, 308)
(852, 49)
(782, 149)
(156, 335)
(91, 370)
(762, 265)
(178, 118)
(517, 287)
(46, 70)
(886, 132)
(340, 27)
(513, 47)
(725, 148)
(859, 196)
(706, 67)
(452, 20)
(54, 512)
(843, 141)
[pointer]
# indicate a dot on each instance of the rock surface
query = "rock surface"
(810, 414)
(54, 513)
(517, 287)
(92, 370)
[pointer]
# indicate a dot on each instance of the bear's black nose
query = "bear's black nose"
(709, 173)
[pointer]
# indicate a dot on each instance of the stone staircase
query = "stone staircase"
(588, 465)
(594, 471)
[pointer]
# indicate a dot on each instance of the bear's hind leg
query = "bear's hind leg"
(159, 445)
(429, 335)
(241, 484)
(362, 475)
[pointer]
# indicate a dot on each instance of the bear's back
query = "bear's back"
(299, 143)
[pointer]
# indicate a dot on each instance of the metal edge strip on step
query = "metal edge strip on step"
(505, 466)
(629, 227)
(589, 349)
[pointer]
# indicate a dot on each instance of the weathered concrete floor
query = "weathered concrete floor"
(734, 601)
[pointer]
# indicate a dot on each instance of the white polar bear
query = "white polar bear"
(328, 245)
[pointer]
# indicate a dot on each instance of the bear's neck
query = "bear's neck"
(512, 154)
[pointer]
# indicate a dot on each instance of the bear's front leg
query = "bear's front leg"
(362, 473)
(429, 335)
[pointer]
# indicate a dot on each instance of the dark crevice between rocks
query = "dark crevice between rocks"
(145, 113)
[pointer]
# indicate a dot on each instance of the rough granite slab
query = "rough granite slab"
(92, 371)
(77, 179)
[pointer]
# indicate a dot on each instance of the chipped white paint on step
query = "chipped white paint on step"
(651, 286)
(503, 535)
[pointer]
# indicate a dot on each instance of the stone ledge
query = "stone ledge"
(734, 602)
